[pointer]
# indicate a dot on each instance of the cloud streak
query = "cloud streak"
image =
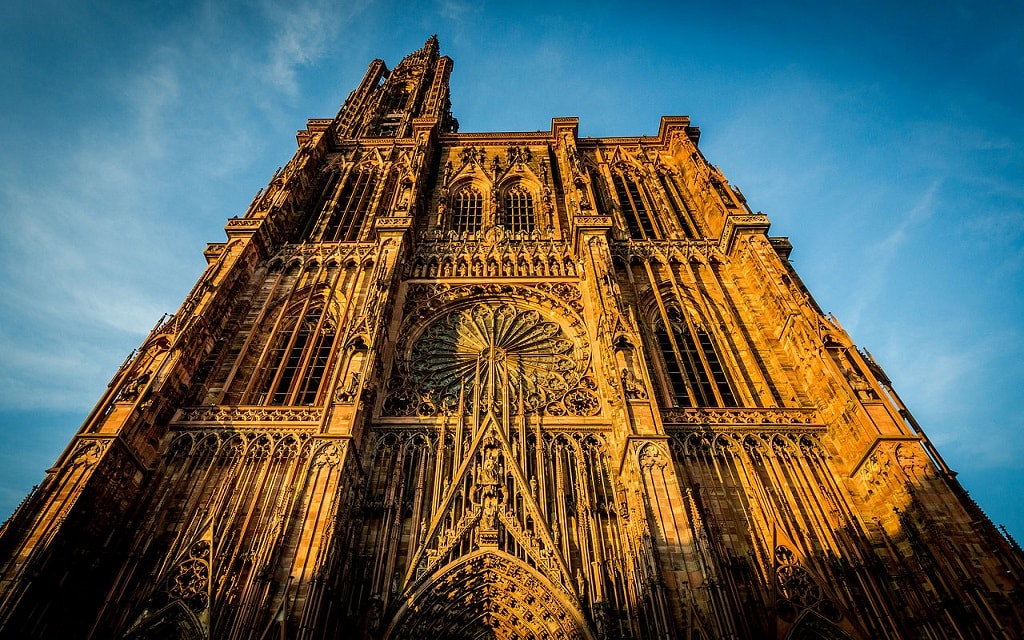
(302, 32)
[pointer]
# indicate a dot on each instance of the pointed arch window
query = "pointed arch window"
(634, 208)
(693, 371)
(467, 210)
(519, 215)
(676, 203)
(350, 210)
(298, 356)
(395, 99)
(387, 201)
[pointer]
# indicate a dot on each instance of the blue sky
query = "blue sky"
(883, 138)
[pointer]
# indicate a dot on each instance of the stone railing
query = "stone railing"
(740, 417)
(243, 416)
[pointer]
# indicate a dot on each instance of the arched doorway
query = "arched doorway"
(488, 594)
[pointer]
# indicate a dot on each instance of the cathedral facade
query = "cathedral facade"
(500, 385)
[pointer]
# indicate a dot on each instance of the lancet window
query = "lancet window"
(388, 193)
(467, 210)
(634, 209)
(677, 203)
(395, 99)
(519, 215)
(351, 208)
(298, 357)
(693, 375)
(282, 354)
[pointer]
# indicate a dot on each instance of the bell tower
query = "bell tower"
(387, 102)
(500, 384)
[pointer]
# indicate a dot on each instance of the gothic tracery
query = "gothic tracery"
(500, 385)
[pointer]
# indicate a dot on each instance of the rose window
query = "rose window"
(495, 357)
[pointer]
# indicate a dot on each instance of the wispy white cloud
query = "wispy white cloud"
(455, 10)
(302, 31)
(881, 255)
(92, 249)
(151, 95)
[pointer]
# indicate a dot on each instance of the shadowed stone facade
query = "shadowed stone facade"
(500, 385)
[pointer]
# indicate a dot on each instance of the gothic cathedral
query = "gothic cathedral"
(500, 385)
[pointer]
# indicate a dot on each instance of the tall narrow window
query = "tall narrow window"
(519, 209)
(695, 375)
(467, 210)
(395, 99)
(638, 220)
(673, 370)
(297, 359)
(351, 208)
(715, 368)
(675, 202)
(387, 202)
(319, 354)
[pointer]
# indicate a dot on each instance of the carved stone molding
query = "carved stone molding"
(496, 254)
(734, 224)
(329, 454)
(231, 443)
(505, 594)
(325, 251)
(667, 250)
(423, 300)
(741, 417)
(762, 442)
(394, 223)
(799, 590)
(241, 224)
(891, 458)
(240, 416)
(651, 456)
(597, 222)
(88, 452)
(190, 579)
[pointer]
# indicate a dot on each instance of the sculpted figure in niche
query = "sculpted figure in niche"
(625, 356)
(488, 466)
(490, 505)
(632, 386)
(134, 387)
(860, 386)
(403, 201)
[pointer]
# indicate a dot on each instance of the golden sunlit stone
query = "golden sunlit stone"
(500, 385)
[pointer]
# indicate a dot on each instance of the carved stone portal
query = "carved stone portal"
(488, 594)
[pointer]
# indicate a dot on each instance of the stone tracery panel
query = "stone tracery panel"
(490, 355)
(489, 594)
